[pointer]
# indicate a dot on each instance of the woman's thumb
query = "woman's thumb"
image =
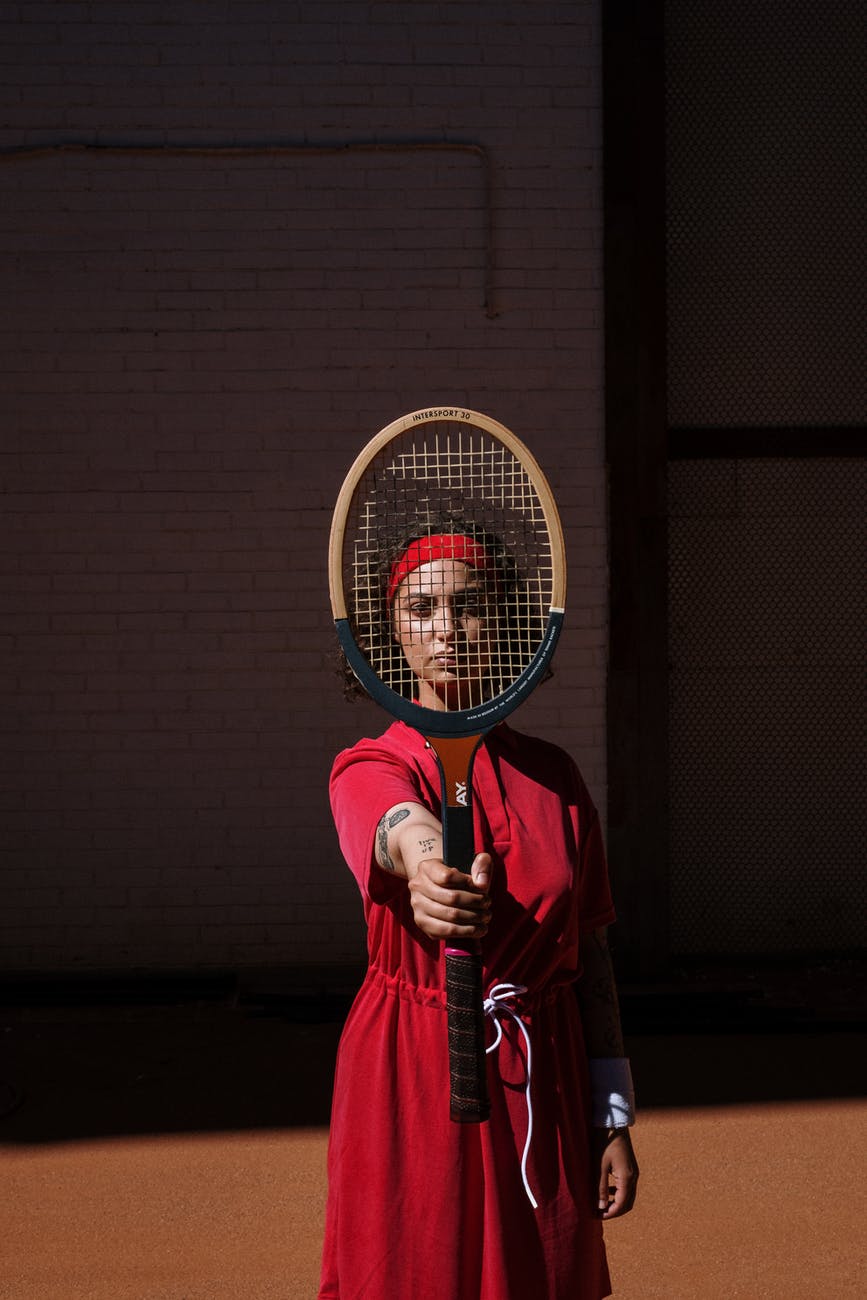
(481, 872)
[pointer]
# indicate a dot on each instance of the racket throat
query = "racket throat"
(455, 756)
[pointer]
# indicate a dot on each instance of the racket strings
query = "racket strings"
(445, 478)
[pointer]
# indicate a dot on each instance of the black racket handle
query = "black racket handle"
(468, 1070)
(468, 1083)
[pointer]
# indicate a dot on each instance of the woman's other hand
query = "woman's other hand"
(615, 1161)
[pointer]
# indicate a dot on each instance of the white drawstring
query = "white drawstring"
(494, 1004)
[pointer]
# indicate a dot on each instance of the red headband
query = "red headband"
(440, 546)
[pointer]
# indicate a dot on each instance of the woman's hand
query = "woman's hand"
(618, 1172)
(449, 904)
(446, 904)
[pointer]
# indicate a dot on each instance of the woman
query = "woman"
(420, 1207)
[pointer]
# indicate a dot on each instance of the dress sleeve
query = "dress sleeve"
(366, 781)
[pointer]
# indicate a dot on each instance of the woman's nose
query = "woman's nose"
(445, 622)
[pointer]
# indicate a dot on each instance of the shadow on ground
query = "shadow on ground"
(93, 1059)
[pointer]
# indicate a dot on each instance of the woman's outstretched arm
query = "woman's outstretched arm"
(446, 903)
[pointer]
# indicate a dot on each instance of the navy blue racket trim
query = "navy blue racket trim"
(459, 722)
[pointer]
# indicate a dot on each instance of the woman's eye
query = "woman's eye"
(472, 606)
(420, 609)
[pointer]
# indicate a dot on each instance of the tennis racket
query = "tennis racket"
(434, 474)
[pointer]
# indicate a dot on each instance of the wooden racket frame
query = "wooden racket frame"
(454, 737)
(429, 416)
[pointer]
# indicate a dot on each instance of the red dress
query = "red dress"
(421, 1208)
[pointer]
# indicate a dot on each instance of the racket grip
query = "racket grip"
(468, 1081)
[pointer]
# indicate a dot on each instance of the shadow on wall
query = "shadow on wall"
(167, 1055)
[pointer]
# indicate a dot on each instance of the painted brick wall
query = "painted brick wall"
(214, 290)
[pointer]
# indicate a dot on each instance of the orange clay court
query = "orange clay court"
(177, 1152)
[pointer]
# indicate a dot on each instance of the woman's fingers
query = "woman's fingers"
(461, 912)
(618, 1181)
(448, 903)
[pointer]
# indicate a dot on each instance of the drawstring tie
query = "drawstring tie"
(494, 1005)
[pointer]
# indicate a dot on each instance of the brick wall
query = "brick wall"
(214, 290)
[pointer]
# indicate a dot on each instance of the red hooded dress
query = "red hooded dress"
(419, 1207)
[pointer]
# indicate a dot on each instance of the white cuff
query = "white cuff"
(612, 1093)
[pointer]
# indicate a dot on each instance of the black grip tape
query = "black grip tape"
(468, 1082)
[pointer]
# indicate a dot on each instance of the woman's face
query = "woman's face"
(444, 617)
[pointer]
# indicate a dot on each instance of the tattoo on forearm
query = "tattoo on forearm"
(426, 846)
(598, 994)
(604, 995)
(599, 940)
(388, 822)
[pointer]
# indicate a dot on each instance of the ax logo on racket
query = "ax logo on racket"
(461, 793)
